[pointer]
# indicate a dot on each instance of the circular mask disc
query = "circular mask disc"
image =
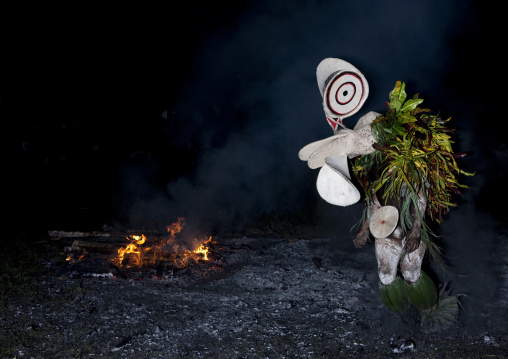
(384, 221)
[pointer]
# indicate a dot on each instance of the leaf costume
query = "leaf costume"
(414, 155)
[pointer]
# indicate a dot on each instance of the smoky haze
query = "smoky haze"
(251, 100)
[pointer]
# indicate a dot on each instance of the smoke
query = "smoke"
(252, 101)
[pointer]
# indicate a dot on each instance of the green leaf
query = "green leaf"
(395, 104)
(396, 91)
(399, 92)
(376, 186)
(398, 95)
(406, 117)
(467, 173)
(403, 94)
(447, 204)
(410, 105)
(420, 110)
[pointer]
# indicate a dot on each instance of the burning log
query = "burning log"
(77, 234)
(95, 246)
(85, 234)
(165, 254)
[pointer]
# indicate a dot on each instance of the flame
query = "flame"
(133, 251)
(203, 250)
(137, 255)
(73, 259)
(176, 227)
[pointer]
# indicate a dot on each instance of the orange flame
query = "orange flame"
(73, 259)
(133, 251)
(203, 250)
(176, 227)
(136, 255)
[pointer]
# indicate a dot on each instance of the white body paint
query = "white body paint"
(390, 249)
(388, 254)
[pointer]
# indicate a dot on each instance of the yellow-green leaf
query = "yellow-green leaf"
(410, 105)
(398, 95)
(406, 117)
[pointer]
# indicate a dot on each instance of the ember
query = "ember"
(76, 257)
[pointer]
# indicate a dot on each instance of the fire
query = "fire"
(176, 227)
(73, 259)
(135, 254)
(204, 250)
(133, 251)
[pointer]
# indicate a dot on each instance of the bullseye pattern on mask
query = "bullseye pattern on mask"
(344, 93)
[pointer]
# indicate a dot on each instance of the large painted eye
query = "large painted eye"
(344, 93)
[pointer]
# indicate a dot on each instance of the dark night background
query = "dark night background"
(130, 117)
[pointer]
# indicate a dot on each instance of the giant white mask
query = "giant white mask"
(344, 90)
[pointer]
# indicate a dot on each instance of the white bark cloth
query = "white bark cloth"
(344, 90)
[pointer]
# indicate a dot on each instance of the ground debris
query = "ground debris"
(268, 300)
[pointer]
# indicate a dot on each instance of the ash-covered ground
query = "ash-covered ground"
(264, 298)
